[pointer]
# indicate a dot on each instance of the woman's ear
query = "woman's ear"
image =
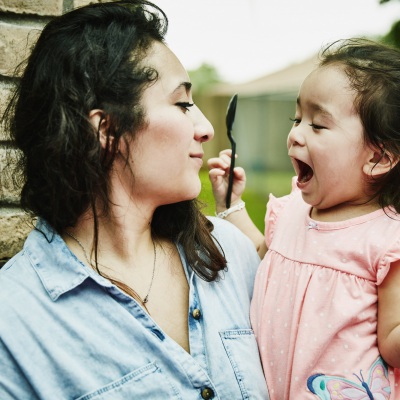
(101, 124)
(380, 162)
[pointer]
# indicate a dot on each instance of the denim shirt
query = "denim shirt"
(68, 333)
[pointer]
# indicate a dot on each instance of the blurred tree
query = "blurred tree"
(203, 77)
(393, 36)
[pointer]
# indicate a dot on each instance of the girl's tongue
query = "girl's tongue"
(305, 172)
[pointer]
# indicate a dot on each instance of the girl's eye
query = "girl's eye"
(316, 127)
(296, 121)
(185, 105)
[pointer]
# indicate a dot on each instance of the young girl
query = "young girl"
(326, 305)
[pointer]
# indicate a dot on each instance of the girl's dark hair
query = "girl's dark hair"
(373, 70)
(92, 58)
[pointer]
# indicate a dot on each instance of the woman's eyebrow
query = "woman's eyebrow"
(186, 85)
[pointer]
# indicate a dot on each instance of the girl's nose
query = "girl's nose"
(203, 130)
(296, 137)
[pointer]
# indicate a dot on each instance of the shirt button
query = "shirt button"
(196, 313)
(207, 393)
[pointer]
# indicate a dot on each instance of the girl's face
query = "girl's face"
(166, 155)
(326, 143)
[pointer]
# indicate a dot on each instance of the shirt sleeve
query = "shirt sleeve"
(274, 207)
(392, 255)
(13, 384)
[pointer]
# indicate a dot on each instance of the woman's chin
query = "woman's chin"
(187, 195)
(195, 189)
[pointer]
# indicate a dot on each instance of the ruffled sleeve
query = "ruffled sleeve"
(274, 207)
(391, 256)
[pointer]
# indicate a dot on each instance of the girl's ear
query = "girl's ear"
(380, 162)
(101, 124)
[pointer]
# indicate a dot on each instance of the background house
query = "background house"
(263, 113)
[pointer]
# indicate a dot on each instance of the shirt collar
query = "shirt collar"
(59, 270)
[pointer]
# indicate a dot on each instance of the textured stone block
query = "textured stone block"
(15, 226)
(81, 3)
(6, 90)
(8, 192)
(15, 44)
(38, 7)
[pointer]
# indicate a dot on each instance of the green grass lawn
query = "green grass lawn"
(259, 185)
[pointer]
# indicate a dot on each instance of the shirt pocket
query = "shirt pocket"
(147, 382)
(241, 347)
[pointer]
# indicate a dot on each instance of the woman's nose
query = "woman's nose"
(203, 130)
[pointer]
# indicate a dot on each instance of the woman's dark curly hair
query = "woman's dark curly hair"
(373, 70)
(92, 58)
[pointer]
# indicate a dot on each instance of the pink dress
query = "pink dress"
(314, 309)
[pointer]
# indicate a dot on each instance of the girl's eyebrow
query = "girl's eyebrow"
(317, 108)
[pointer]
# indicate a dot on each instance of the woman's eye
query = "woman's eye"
(185, 105)
(296, 121)
(316, 127)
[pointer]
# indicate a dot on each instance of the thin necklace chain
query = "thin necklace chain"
(146, 298)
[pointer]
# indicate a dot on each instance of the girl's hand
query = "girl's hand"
(218, 174)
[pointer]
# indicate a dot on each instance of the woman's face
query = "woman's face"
(166, 154)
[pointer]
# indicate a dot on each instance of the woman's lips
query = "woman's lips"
(198, 157)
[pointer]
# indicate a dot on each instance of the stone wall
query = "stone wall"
(20, 23)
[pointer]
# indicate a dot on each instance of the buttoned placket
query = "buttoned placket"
(195, 363)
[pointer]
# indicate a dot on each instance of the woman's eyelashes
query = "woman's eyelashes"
(185, 105)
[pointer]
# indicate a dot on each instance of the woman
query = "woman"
(123, 290)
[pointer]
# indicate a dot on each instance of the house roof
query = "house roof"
(286, 80)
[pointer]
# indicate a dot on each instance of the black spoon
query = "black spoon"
(230, 117)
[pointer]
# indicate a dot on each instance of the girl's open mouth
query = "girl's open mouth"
(305, 172)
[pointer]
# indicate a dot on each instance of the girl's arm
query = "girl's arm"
(389, 316)
(218, 173)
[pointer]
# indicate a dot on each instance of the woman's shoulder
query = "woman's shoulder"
(18, 285)
(43, 267)
(239, 250)
(228, 234)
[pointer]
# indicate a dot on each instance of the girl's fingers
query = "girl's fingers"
(239, 173)
(227, 152)
(223, 161)
(216, 172)
(216, 162)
